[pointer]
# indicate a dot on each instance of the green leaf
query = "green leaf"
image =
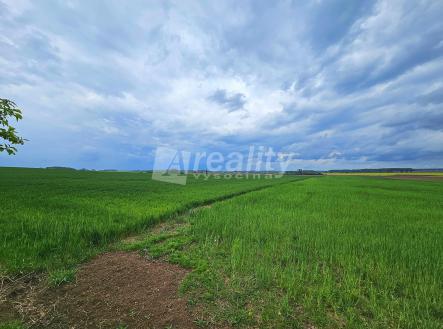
(8, 109)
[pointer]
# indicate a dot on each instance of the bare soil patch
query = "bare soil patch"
(17, 295)
(417, 177)
(113, 289)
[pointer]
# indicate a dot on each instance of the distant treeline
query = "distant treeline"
(390, 170)
(61, 168)
(83, 169)
(303, 172)
(290, 172)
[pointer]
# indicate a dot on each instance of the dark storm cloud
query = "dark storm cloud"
(232, 102)
(339, 83)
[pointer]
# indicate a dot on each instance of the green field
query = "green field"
(333, 252)
(323, 252)
(51, 219)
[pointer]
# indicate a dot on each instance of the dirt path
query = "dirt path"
(114, 289)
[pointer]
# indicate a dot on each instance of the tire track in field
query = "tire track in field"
(208, 202)
(195, 206)
(78, 303)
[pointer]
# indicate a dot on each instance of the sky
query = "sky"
(338, 84)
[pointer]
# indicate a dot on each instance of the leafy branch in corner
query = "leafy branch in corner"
(8, 111)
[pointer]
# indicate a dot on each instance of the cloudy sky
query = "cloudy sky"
(340, 84)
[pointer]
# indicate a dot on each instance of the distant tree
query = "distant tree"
(8, 134)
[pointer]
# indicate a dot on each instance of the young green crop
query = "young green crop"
(331, 252)
(355, 252)
(54, 219)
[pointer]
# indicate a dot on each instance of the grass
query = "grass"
(329, 252)
(59, 277)
(12, 325)
(332, 252)
(52, 220)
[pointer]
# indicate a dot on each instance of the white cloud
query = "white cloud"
(331, 90)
